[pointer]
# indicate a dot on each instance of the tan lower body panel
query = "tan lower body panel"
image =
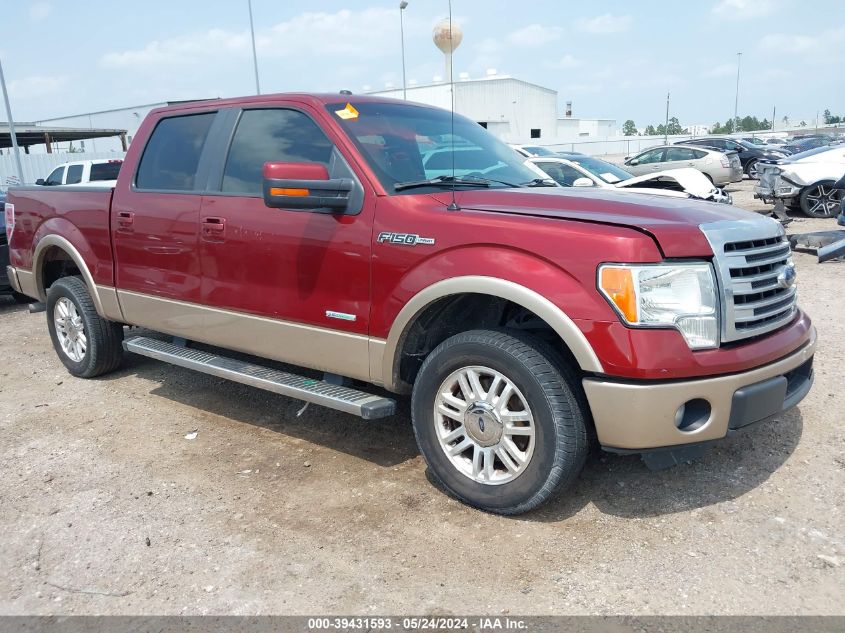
(26, 283)
(642, 416)
(307, 346)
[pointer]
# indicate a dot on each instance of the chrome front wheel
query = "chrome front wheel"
(70, 329)
(484, 425)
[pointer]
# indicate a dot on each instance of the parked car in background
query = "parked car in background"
(840, 185)
(804, 143)
(720, 167)
(529, 151)
(805, 181)
(84, 172)
(586, 171)
(778, 142)
(750, 154)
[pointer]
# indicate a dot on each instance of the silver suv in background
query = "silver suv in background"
(720, 167)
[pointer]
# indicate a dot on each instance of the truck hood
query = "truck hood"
(673, 223)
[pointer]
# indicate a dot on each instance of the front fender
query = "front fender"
(522, 278)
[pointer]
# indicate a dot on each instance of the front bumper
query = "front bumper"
(645, 415)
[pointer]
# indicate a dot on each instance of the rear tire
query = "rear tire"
(87, 344)
(821, 200)
(514, 433)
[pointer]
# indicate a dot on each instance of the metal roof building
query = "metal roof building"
(512, 109)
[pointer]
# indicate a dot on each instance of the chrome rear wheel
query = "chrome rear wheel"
(70, 329)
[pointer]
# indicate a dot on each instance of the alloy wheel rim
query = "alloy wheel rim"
(484, 425)
(823, 200)
(70, 330)
(752, 171)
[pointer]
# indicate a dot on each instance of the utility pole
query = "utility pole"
(254, 54)
(14, 136)
(402, 6)
(774, 111)
(666, 128)
(736, 101)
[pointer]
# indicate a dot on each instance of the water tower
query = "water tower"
(447, 37)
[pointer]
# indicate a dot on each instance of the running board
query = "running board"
(364, 405)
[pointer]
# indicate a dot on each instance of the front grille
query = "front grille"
(750, 256)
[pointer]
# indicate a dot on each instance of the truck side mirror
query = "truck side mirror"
(305, 187)
(40, 181)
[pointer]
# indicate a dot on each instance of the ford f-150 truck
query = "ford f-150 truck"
(359, 237)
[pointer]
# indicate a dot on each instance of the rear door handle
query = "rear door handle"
(125, 220)
(213, 229)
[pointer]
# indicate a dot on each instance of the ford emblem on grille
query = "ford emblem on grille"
(786, 277)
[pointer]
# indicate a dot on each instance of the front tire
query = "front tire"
(86, 343)
(821, 200)
(751, 170)
(500, 420)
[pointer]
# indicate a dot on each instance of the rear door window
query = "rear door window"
(105, 171)
(74, 174)
(173, 152)
(679, 153)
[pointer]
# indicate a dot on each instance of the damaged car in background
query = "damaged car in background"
(577, 170)
(805, 181)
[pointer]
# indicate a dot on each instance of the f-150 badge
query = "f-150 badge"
(405, 239)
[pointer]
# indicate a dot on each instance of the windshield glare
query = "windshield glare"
(608, 172)
(406, 143)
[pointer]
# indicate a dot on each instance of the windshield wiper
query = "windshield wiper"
(450, 181)
(441, 181)
(539, 182)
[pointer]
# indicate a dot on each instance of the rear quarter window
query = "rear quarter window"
(105, 171)
(172, 154)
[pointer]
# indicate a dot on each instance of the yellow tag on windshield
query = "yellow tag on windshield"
(349, 112)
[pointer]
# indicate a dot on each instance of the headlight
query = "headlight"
(682, 296)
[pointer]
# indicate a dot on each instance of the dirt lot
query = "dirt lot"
(108, 508)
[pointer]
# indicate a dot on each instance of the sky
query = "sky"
(612, 59)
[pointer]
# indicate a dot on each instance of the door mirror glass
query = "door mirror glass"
(633, 161)
(304, 186)
(582, 182)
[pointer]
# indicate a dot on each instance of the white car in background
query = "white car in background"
(531, 151)
(805, 181)
(577, 170)
(100, 173)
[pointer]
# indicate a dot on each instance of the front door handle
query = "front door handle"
(213, 229)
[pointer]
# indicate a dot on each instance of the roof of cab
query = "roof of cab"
(315, 99)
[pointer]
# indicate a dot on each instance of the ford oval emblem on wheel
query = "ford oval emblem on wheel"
(786, 277)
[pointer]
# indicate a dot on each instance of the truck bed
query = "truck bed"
(78, 214)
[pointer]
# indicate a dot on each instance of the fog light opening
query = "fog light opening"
(692, 415)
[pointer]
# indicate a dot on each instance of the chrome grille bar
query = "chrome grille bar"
(750, 257)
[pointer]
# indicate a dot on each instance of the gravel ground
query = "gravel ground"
(109, 509)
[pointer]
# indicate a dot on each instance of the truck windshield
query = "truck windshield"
(405, 143)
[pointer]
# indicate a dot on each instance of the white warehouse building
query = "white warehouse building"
(516, 111)
(512, 109)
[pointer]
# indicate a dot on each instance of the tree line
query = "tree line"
(747, 123)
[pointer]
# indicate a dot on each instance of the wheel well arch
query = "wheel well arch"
(457, 305)
(55, 257)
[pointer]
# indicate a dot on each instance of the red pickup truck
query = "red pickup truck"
(383, 243)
